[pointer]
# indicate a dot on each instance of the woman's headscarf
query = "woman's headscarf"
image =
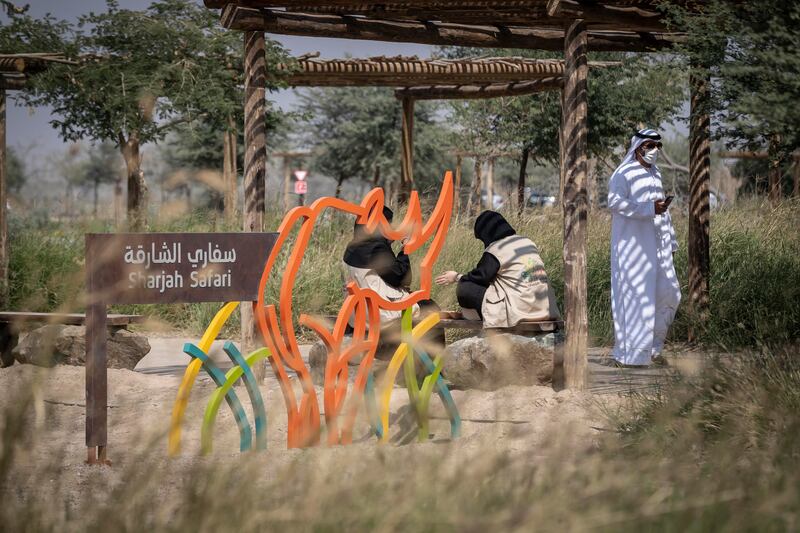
(365, 247)
(490, 226)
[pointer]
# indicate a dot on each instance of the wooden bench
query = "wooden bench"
(525, 327)
(12, 322)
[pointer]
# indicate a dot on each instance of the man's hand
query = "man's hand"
(661, 207)
(447, 278)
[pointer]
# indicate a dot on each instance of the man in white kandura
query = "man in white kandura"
(645, 292)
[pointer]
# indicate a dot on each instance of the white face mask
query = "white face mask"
(650, 156)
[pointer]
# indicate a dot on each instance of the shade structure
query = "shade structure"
(575, 27)
(491, 33)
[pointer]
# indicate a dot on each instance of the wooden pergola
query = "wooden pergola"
(571, 26)
(431, 79)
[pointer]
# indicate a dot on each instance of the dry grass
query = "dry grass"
(715, 453)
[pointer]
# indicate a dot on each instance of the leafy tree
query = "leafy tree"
(355, 133)
(141, 74)
(102, 166)
(639, 90)
(16, 171)
(749, 52)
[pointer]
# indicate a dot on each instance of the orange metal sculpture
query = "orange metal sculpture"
(278, 329)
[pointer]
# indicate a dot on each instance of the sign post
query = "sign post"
(301, 186)
(127, 268)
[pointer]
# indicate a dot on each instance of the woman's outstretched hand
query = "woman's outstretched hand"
(447, 278)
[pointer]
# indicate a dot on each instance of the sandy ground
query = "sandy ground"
(514, 419)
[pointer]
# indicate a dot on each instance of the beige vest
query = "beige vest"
(521, 290)
(367, 278)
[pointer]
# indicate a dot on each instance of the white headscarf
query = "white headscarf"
(636, 141)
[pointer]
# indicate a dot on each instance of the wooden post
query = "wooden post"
(407, 164)
(523, 171)
(3, 202)
(255, 161)
(796, 176)
(229, 172)
(699, 208)
(573, 134)
(776, 159)
(458, 185)
(490, 183)
(96, 365)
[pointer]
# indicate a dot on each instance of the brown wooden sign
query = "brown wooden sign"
(158, 268)
(176, 267)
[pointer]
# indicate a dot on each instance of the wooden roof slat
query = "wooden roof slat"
(434, 33)
(433, 4)
(413, 71)
(632, 18)
(475, 92)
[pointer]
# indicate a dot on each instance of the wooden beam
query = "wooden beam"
(3, 203)
(743, 155)
(474, 92)
(776, 160)
(553, 7)
(596, 16)
(699, 206)
(255, 161)
(407, 164)
(796, 178)
(12, 83)
(523, 171)
(348, 27)
(574, 127)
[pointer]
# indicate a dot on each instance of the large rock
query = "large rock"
(318, 357)
(58, 344)
(489, 363)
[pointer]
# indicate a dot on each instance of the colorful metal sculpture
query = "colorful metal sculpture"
(341, 401)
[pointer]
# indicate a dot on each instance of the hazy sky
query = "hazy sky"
(29, 129)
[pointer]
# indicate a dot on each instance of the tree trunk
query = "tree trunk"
(287, 181)
(475, 190)
(574, 199)
(457, 198)
(523, 171)
(699, 208)
(137, 189)
(376, 177)
(490, 183)
(3, 203)
(796, 176)
(339, 182)
(118, 203)
(407, 163)
(229, 172)
(96, 187)
(255, 163)
(776, 159)
(68, 200)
